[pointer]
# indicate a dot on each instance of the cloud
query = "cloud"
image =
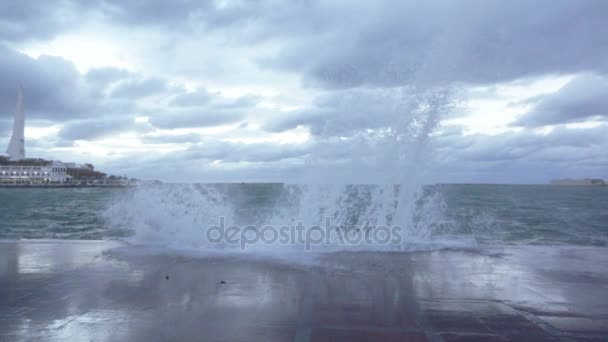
(232, 152)
(54, 90)
(523, 156)
(5, 130)
(177, 169)
(522, 144)
(171, 139)
(180, 15)
(394, 42)
(200, 97)
(351, 75)
(195, 118)
(202, 109)
(31, 19)
(138, 88)
(347, 112)
(51, 85)
(106, 75)
(245, 101)
(583, 98)
(98, 128)
(472, 42)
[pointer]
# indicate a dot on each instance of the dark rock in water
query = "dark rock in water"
(167, 277)
(222, 282)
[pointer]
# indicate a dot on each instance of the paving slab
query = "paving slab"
(108, 291)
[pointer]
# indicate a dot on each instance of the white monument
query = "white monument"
(16, 147)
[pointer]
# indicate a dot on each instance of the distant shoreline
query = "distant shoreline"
(531, 184)
(75, 186)
(61, 186)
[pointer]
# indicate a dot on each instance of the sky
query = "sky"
(475, 91)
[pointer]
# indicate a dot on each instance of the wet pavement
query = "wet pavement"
(103, 291)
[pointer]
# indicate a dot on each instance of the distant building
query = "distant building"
(40, 171)
(584, 181)
(35, 171)
(17, 170)
(84, 172)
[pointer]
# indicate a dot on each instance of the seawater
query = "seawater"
(441, 216)
(396, 158)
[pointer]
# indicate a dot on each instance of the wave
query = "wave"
(332, 218)
(400, 215)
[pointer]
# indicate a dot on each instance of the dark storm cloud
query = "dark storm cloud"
(196, 98)
(193, 118)
(473, 41)
(176, 169)
(154, 12)
(582, 98)
(51, 85)
(523, 145)
(245, 101)
(524, 170)
(138, 88)
(171, 139)
(53, 89)
(180, 14)
(5, 129)
(384, 43)
(346, 112)
(289, 120)
(94, 129)
(106, 75)
(359, 52)
(33, 19)
(270, 156)
(100, 79)
(202, 98)
(357, 150)
(241, 152)
(202, 109)
(523, 157)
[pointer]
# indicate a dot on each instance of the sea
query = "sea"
(265, 217)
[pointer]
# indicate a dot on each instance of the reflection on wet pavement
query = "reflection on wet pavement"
(100, 291)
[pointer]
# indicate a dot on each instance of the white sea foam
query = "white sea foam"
(178, 216)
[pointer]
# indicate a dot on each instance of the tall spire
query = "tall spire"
(16, 147)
